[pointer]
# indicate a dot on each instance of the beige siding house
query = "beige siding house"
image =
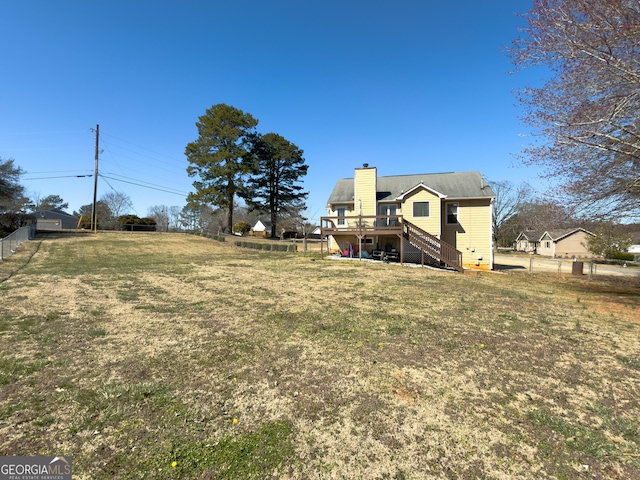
(528, 241)
(565, 243)
(442, 219)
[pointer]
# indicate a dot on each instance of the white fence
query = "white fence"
(10, 243)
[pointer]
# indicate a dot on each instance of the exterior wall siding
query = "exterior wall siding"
(571, 246)
(365, 191)
(431, 224)
(472, 234)
(543, 249)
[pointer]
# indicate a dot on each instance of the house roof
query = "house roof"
(531, 235)
(557, 235)
(53, 213)
(459, 185)
(264, 223)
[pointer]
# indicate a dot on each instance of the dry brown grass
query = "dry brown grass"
(130, 352)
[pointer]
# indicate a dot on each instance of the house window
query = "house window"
(452, 213)
(341, 212)
(420, 209)
(547, 244)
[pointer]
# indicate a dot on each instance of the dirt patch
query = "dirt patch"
(171, 356)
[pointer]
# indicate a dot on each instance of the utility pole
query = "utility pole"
(94, 211)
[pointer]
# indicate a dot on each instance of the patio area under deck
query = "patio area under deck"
(363, 226)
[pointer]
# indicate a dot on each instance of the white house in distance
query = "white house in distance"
(262, 228)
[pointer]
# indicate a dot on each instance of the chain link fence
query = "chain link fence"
(10, 243)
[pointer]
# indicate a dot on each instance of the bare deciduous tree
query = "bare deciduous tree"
(587, 115)
(160, 213)
(509, 200)
(119, 204)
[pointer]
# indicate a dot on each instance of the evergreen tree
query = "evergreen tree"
(219, 158)
(278, 166)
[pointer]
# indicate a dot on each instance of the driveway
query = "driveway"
(538, 264)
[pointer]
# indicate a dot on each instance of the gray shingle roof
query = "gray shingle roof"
(459, 185)
(531, 235)
(560, 234)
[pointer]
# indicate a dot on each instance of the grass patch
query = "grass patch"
(337, 369)
(13, 369)
(255, 454)
(631, 362)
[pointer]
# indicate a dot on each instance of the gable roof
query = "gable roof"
(420, 186)
(531, 235)
(554, 235)
(557, 235)
(454, 186)
(266, 224)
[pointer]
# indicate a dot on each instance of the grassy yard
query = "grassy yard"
(173, 356)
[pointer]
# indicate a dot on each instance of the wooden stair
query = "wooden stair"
(440, 253)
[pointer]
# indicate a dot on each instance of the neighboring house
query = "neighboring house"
(635, 244)
(55, 220)
(528, 241)
(443, 219)
(316, 233)
(567, 243)
(262, 228)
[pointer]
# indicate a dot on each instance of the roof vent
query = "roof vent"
(365, 165)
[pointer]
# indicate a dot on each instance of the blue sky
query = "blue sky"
(412, 86)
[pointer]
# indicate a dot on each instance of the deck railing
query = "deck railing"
(434, 247)
(439, 251)
(360, 223)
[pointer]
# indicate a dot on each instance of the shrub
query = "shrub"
(622, 256)
(241, 227)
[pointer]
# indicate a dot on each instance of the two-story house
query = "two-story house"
(442, 219)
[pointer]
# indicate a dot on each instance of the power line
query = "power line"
(54, 171)
(142, 182)
(161, 189)
(62, 176)
(129, 204)
(131, 166)
(61, 132)
(139, 146)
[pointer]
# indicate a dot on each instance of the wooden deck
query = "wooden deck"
(362, 226)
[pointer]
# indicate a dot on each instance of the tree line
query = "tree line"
(114, 211)
(584, 119)
(518, 208)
